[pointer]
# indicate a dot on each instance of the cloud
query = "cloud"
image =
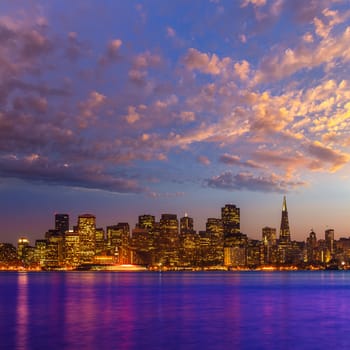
(205, 63)
(35, 44)
(187, 116)
(112, 53)
(138, 76)
(146, 59)
(242, 69)
(36, 169)
(30, 103)
(285, 64)
(249, 181)
(90, 107)
(171, 33)
(224, 103)
(229, 159)
(323, 154)
(155, 195)
(133, 116)
(256, 3)
(203, 160)
(75, 48)
(305, 12)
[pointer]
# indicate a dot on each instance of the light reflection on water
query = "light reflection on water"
(22, 311)
(209, 310)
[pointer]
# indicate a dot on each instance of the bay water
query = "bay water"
(175, 310)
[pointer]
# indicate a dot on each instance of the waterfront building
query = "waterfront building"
(168, 240)
(253, 253)
(72, 248)
(54, 255)
(8, 255)
(40, 251)
(118, 237)
(189, 249)
(268, 249)
(87, 240)
(22, 243)
(142, 246)
(100, 241)
(323, 254)
(235, 257)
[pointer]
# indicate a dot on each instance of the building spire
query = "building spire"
(284, 229)
(284, 206)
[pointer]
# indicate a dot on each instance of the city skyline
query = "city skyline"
(61, 222)
(123, 108)
(173, 243)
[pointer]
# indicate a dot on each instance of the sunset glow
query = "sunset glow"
(124, 108)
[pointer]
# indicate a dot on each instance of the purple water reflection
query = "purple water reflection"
(209, 310)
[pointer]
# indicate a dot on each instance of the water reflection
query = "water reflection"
(174, 310)
(22, 312)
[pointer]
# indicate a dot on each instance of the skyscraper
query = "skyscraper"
(284, 230)
(22, 244)
(186, 225)
(146, 221)
(61, 223)
(230, 216)
(87, 240)
(329, 238)
(169, 239)
(118, 242)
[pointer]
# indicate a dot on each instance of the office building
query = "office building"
(61, 223)
(87, 238)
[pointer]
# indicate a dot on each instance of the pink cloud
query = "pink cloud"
(203, 160)
(205, 63)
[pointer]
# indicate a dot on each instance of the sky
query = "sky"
(123, 108)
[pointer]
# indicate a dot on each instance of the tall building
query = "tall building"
(311, 248)
(269, 243)
(147, 221)
(22, 244)
(72, 248)
(168, 239)
(100, 241)
(230, 216)
(142, 246)
(186, 225)
(61, 223)
(329, 238)
(118, 237)
(269, 236)
(214, 226)
(87, 240)
(54, 253)
(284, 229)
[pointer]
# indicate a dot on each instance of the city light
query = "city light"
(173, 244)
